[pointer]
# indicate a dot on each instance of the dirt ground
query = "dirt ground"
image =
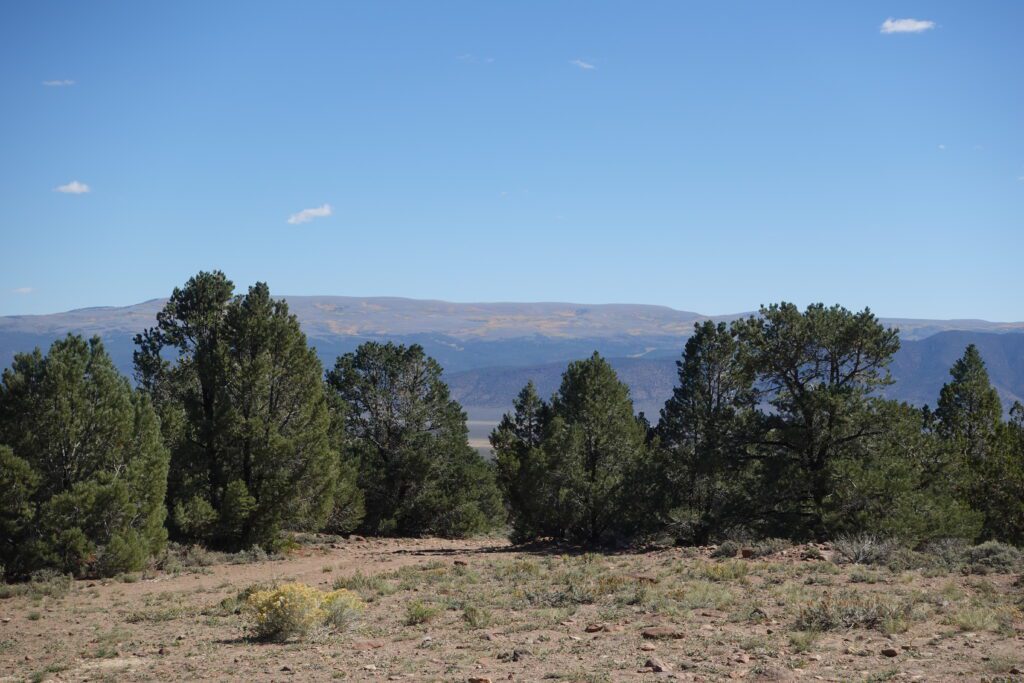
(478, 610)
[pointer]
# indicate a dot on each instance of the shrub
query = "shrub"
(418, 612)
(726, 549)
(770, 546)
(295, 610)
(864, 549)
(991, 557)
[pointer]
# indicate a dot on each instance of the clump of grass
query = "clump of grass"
(769, 546)
(419, 612)
(982, 618)
(724, 571)
(803, 641)
(851, 610)
(367, 585)
(703, 595)
(861, 575)
(476, 617)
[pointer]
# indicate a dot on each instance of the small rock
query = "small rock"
(656, 665)
(369, 667)
(647, 647)
(1016, 671)
(286, 668)
(368, 645)
(461, 563)
(161, 651)
(478, 679)
(890, 652)
(746, 553)
(594, 628)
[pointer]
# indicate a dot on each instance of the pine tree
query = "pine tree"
(598, 453)
(84, 470)
(245, 412)
(704, 428)
(969, 411)
(969, 417)
(820, 371)
(523, 467)
(416, 468)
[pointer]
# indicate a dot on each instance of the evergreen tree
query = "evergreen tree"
(416, 468)
(598, 456)
(245, 413)
(969, 417)
(523, 467)
(819, 370)
(704, 428)
(901, 482)
(969, 411)
(83, 471)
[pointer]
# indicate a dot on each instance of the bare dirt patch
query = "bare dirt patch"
(441, 610)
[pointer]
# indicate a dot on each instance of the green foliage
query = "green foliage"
(819, 371)
(992, 557)
(703, 428)
(577, 469)
(83, 475)
(523, 466)
(991, 452)
(245, 414)
(901, 482)
(415, 466)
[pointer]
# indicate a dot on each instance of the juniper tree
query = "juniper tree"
(598, 456)
(245, 413)
(83, 471)
(416, 468)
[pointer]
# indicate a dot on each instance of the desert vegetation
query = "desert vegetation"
(780, 499)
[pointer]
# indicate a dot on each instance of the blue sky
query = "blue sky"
(707, 156)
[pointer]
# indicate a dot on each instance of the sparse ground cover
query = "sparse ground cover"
(479, 609)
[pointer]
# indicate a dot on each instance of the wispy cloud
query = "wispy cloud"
(942, 148)
(473, 59)
(586, 66)
(60, 83)
(891, 25)
(74, 187)
(22, 290)
(306, 215)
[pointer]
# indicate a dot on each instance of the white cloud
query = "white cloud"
(306, 215)
(74, 187)
(891, 25)
(58, 83)
(586, 66)
(22, 290)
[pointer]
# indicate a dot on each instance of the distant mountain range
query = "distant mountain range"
(490, 350)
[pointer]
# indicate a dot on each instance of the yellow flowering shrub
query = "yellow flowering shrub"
(294, 610)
